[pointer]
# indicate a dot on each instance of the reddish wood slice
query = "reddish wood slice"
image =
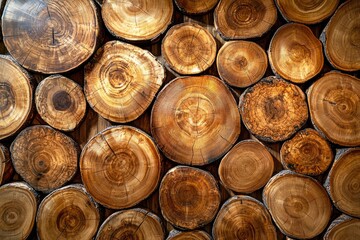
(189, 235)
(344, 227)
(196, 6)
(6, 169)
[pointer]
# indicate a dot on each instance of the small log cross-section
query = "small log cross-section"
(45, 35)
(241, 63)
(247, 167)
(68, 213)
(137, 20)
(130, 224)
(16, 95)
(18, 204)
(189, 197)
(306, 153)
(344, 227)
(120, 167)
(189, 48)
(273, 109)
(298, 204)
(188, 235)
(243, 217)
(195, 120)
(195, 6)
(57, 96)
(334, 104)
(6, 169)
(295, 53)
(241, 19)
(121, 81)
(343, 181)
(44, 157)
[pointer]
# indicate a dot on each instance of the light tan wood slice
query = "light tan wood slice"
(343, 227)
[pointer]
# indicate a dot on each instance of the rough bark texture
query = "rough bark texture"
(344, 227)
(195, 6)
(189, 235)
(6, 169)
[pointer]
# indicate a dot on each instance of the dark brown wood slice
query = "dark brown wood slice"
(188, 235)
(196, 6)
(6, 168)
(343, 227)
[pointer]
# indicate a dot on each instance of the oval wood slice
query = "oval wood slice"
(68, 213)
(343, 181)
(298, 204)
(241, 63)
(243, 217)
(135, 223)
(6, 169)
(189, 235)
(307, 12)
(241, 19)
(247, 167)
(16, 94)
(60, 102)
(341, 37)
(306, 153)
(196, 6)
(44, 157)
(334, 104)
(344, 227)
(44, 35)
(195, 120)
(120, 166)
(295, 53)
(137, 20)
(18, 204)
(273, 109)
(189, 197)
(121, 81)
(189, 48)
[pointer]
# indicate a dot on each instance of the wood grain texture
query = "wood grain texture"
(6, 168)
(343, 227)
(195, 6)
(188, 235)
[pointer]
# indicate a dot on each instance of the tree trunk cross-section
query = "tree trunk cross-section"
(121, 81)
(195, 120)
(43, 35)
(196, 6)
(344, 227)
(6, 169)
(189, 235)
(120, 167)
(189, 197)
(44, 157)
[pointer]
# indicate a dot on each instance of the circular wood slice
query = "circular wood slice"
(137, 20)
(120, 166)
(295, 53)
(243, 217)
(44, 157)
(247, 167)
(45, 35)
(241, 63)
(18, 204)
(195, 120)
(189, 235)
(68, 213)
(344, 227)
(135, 223)
(298, 204)
(241, 19)
(306, 153)
(343, 181)
(341, 37)
(60, 102)
(189, 197)
(273, 109)
(16, 94)
(6, 169)
(189, 48)
(307, 12)
(196, 6)
(121, 81)
(334, 104)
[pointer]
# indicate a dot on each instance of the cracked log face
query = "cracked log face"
(195, 120)
(243, 217)
(189, 197)
(334, 104)
(131, 224)
(44, 157)
(189, 235)
(137, 20)
(273, 109)
(16, 95)
(59, 96)
(6, 169)
(44, 35)
(68, 213)
(196, 6)
(18, 205)
(121, 81)
(344, 227)
(189, 48)
(298, 204)
(120, 167)
(295, 53)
